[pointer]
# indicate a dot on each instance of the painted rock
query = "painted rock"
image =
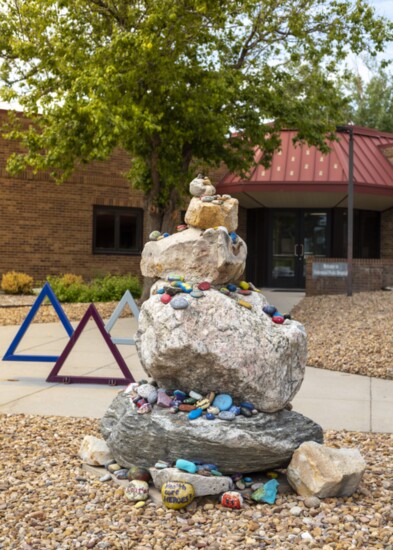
(121, 474)
(224, 291)
(165, 235)
(195, 395)
(141, 402)
(232, 499)
(216, 473)
(233, 236)
(244, 292)
(223, 402)
(144, 390)
(210, 416)
(211, 396)
(160, 237)
(179, 302)
(254, 288)
(207, 198)
(161, 465)
(226, 415)
(244, 304)
(172, 291)
(202, 404)
(269, 310)
(278, 319)
(197, 293)
(247, 405)
(205, 285)
(235, 410)
(244, 285)
(245, 412)
(163, 400)
(181, 227)
(186, 465)
(231, 287)
(152, 397)
(180, 395)
(185, 407)
(139, 473)
(190, 401)
(173, 410)
(160, 291)
(266, 493)
(186, 287)
(145, 408)
(177, 494)
(175, 277)
(213, 410)
(137, 490)
(154, 235)
(165, 298)
(196, 413)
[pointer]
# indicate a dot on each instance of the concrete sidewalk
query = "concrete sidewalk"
(334, 400)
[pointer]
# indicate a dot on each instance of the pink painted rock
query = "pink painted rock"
(163, 400)
(165, 298)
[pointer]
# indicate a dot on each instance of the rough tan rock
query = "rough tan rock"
(94, 451)
(206, 214)
(197, 255)
(316, 470)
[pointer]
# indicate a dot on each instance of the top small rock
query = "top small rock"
(201, 185)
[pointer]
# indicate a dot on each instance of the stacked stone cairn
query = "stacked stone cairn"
(223, 364)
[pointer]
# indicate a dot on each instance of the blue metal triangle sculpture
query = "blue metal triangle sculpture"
(46, 292)
(126, 299)
(54, 375)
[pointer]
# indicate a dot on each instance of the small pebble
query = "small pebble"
(312, 502)
(106, 477)
(295, 511)
(140, 504)
(226, 415)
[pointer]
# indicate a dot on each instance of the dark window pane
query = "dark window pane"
(105, 230)
(127, 232)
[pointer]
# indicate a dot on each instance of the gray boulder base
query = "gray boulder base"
(203, 485)
(253, 444)
(218, 345)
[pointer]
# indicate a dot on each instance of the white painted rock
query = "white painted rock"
(94, 451)
(203, 485)
(316, 470)
(207, 214)
(218, 345)
(199, 257)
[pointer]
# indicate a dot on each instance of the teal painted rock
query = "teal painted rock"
(186, 465)
(266, 493)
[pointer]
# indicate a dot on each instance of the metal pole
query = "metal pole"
(350, 214)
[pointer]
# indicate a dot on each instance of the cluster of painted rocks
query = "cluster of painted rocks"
(157, 236)
(144, 395)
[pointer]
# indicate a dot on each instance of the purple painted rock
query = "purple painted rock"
(163, 400)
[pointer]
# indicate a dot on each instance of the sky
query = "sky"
(382, 7)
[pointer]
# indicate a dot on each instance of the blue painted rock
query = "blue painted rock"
(232, 499)
(278, 319)
(245, 412)
(137, 472)
(216, 473)
(196, 413)
(186, 287)
(231, 287)
(197, 293)
(165, 298)
(179, 302)
(247, 405)
(177, 494)
(180, 395)
(161, 291)
(186, 466)
(226, 415)
(233, 236)
(165, 234)
(209, 466)
(235, 410)
(137, 490)
(154, 235)
(175, 277)
(269, 310)
(161, 465)
(223, 401)
(121, 474)
(210, 416)
(205, 285)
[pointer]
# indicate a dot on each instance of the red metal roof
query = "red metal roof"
(303, 168)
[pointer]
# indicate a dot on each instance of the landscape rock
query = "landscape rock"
(209, 214)
(202, 485)
(211, 257)
(316, 470)
(216, 345)
(254, 444)
(94, 451)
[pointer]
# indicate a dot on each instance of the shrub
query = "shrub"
(71, 288)
(17, 283)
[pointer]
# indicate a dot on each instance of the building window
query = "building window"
(117, 230)
(366, 233)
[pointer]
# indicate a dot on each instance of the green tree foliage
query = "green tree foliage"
(175, 81)
(372, 100)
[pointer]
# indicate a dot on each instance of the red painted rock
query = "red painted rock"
(205, 285)
(137, 472)
(165, 298)
(186, 408)
(278, 319)
(244, 292)
(232, 499)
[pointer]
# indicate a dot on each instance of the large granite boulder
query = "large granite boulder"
(218, 345)
(198, 255)
(207, 214)
(251, 444)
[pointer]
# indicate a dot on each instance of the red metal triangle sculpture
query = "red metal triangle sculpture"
(54, 375)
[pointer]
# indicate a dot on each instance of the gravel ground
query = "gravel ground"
(48, 501)
(349, 334)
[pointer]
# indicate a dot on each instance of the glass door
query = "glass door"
(295, 234)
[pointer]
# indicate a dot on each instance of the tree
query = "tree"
(371, 102)
(170, 80)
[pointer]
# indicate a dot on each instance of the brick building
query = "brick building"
(292, 217)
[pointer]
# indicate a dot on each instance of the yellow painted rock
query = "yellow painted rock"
(177, 494)
(244, 285)
(244, 304)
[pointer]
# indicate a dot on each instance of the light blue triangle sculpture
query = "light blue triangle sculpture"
(46, 292)
(126, 299)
